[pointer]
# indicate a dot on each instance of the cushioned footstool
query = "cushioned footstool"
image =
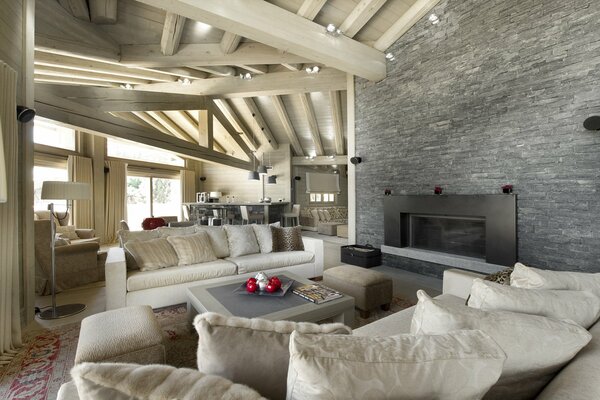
(328, 228)
(129, 335)
(370, 289)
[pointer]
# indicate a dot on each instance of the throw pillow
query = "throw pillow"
(218, 239)
(533, 278)
(192, 249)
(61, 241)
(126, 236)
(315, 215)
(67, 232)
(152, 254)
(327, 215)
(164, 231)
(241, 239)
(455, 366)
(321, 215)
(252, 352)
(536, 347)
(152, 382)
(264, 236)
(287, 239)
(501, 277)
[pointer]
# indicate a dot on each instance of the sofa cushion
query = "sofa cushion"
(321, 216)
(327, 215)
(253, 351)
(165, 231)
(455, 366)
(218, 239)
(133, 381)
(152, 254)
(315, 215)
(536, 347)
(580, 306)
(137, 280)
(192, 249)
(533, 278)
(260, 262)
(242, 240)
(287, 239)
(67, 232)
(264, 236)
(126, 236)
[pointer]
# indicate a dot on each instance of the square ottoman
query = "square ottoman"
(328, 228)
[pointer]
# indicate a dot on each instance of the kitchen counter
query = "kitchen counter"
(230, 212)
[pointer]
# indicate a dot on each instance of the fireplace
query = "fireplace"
(460, 230)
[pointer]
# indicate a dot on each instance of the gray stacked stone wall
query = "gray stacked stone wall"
(494, 94)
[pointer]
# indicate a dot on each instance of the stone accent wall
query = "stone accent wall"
(496, 93)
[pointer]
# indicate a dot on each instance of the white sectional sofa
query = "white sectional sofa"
(167, 286)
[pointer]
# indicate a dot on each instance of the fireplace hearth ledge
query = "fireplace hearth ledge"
(450, 260)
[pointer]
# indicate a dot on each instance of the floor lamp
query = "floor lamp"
(58, 190)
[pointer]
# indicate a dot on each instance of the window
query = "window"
(322, 197)
(49, 134)
(152, 196)
(41, 174)
(136, 151)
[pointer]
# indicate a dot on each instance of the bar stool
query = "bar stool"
(295, 215)
(250, 218)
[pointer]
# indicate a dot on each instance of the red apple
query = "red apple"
(251, 287)
(275, 281)
(271, 288)
(253, 280)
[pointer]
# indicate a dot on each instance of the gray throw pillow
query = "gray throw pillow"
(287, 239)
(218, 239)
(242, 240)
(264, 236)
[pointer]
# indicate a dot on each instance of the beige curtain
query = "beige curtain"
(10, 321)
(115, 204)
(80, 170)
(188, 186)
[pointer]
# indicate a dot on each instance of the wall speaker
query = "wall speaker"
(297, 178)
(202, 178)
(592, 123)
(25, 114)
(356, 160)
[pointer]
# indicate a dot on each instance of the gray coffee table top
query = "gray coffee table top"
(219, 296)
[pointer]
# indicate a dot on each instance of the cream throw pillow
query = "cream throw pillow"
(252, 352)
(242, 240)
(264, 236)
(459, 365)
(165, 231)
(153, 382)
(580, 306)
(152, 254)
(67, 232)
(218, 239)
(192, 249)
(126, 236)
(536, 347)
(533, 278)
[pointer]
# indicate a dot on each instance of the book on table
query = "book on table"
(318, 294)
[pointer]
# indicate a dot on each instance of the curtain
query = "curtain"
(115, 204)
(10, 320)
(188, 186)
(80, 170)
(322, 183)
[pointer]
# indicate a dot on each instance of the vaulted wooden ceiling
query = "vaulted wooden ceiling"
(165, 72)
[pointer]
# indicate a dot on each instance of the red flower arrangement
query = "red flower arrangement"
(507, 188)
(437, 190)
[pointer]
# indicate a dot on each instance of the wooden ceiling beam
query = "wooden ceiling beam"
(236, 136)
(288, 127)
(293, 67)
(338, 122)
(274, 83)
(216, 70)
(77, 8)
(128, 116)
(207, 53)
(309, 112)
(321, 160)
(310, 8)
(229, 42)
(144, 116)
(232, 116)
(186, 123)
(94, 76)
(360, 15)
(263, 127)
(103, 11)
(171, 126)
(171, 34)
(404, 23)
(274, 26)
(255, 69)
(185, 72)
(72, 81)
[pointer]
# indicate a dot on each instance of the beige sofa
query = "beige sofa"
(167, 286)
(311, 217)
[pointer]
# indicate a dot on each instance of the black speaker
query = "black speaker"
(25, 114)
(356, 160)
(297, 178)
(202, 178)
(592, 123)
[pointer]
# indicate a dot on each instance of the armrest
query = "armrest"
(315, 246)
(458, 282)
(85, 233)
(115, 271)
(76, 248)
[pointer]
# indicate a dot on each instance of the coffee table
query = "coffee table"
(219, 296)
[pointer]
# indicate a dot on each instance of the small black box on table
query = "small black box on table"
(362, 256)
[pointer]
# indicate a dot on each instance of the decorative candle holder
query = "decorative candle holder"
(507, 189)
(438, 190)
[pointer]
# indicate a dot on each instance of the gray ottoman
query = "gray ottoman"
(129, 335)
(370, 289)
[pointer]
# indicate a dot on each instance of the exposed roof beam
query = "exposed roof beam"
(275, 83)
(229, 42)
(76, 115)
(269, 24)
(231, 130)
(185, 122)
(262, 124)
(255, 69)
(216, 70)
(310, 8)
(102, 99)
(360, 15)
(207, 54)
(312, 122)
(72, 81)
(404, 23)
(185, 72)
(171, 126)
(230, 113)
(127, 116)
(338, 124)
(321, 160)
(151, 121)
(292, 67)
(287, 125)
(94, 76)
(103, 11)
(78, 8)
(171, 34)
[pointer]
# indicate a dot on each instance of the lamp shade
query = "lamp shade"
(60, 190)
(262, 170)
(253, 176)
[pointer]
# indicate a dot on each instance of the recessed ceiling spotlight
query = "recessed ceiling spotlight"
(434, 19)
(313, 70)
(184, 81)
(127, 86)
(390, 57)
(333, 30)
(246, 77)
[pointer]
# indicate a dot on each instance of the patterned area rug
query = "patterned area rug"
(44, 362)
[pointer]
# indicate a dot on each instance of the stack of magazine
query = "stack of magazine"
(317, 293)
